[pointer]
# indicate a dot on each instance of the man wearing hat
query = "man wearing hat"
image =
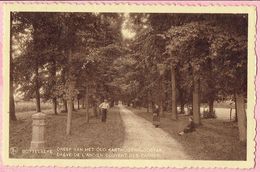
(104, 107)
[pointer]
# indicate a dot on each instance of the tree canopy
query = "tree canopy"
(141, 58)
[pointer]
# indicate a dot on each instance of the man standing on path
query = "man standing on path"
(104, 107)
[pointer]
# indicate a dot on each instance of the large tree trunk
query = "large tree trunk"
(37, 87)
(241, 114)
(149, 104)
(53, 79)
(94, 100)
(36, 47)
(182, 102)
(65, 105)
(69, 96)
(69, 115)
(63, 77)
(94, 105)
(196, 101)
(70, 108)
(161, 92)
(54, 104)
(78, 103)
(83, 103)
(211, 107)
(211, 89)
(87, 102)
(12, 105)
(236, 119)
(73, 106)
(182, 108)
(95, 110)
(174, 101)
(11, 96)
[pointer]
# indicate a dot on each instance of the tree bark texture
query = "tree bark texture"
(69, 116)
(83, 103)
(161, 92)
(174, 100)
(236, 119)
(149, 101)
(182, 102)
(211, 107)
(95, 109)
(211, 89)
(11, 95)
(53, 79)
(65, 105)
(69, 96)
(87, 102)
(73, 106)
(78, 104)
(54, 104)
(196, 101)
(241, 115)
(37, 87)
(63, 76)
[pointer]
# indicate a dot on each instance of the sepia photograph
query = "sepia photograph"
(128, 86)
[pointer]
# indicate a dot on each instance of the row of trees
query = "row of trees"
(188, 59)
(64, 57)
(184, 59)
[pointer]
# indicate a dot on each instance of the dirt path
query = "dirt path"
(144, 141)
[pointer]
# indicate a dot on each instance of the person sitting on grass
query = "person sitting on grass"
(189, 128)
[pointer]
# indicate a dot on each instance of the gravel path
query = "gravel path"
(144, 141)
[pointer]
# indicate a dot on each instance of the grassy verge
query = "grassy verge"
(25, 106)
(87, 140)
(213, 140)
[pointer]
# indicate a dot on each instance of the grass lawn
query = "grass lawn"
(213, 140)
(25, 106)
(92, 135)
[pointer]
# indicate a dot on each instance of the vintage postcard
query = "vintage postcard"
(128, 85)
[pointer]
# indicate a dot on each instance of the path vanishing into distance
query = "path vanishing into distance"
(144, 141)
